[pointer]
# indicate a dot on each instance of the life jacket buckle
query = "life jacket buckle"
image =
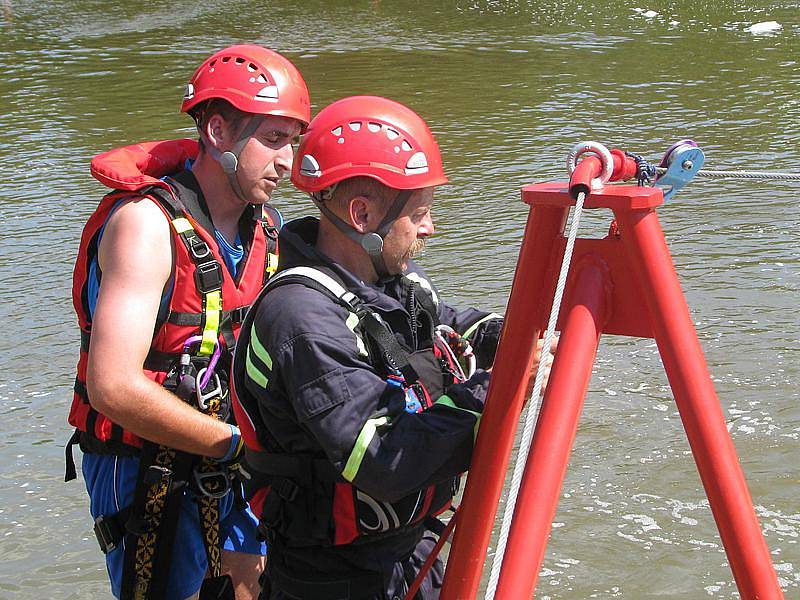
(208, 277)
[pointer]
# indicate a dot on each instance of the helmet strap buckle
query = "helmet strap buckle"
(229, 162)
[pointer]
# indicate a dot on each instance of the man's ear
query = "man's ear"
(215, 129)
(359, 213)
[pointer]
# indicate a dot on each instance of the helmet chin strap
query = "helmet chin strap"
(371, 242)
(229, 160)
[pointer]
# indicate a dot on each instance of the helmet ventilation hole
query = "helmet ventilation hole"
(262, 79)
(309, 166)
(406, 146)
(418, 163)
(374, 127)
(252, 68)
(337, 131)
(355, 125)
(268, 94)
(392, 134)
(239, 60)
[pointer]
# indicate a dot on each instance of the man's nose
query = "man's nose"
(426, 227)
(283, 161)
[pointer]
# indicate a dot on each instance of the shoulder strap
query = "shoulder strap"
(395, 355)
(208, 272)
(318, 280)
(271, 221)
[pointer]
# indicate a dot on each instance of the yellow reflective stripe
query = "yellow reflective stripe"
(259, 349)
(448, 401)
(351, 323)
(213, 309)
(477, 324)
(254, 373)
(362, 443)
(272, 263)
(181, 224)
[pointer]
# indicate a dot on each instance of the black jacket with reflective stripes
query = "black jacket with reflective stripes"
(310, 387)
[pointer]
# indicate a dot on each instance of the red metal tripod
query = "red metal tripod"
(624, 284)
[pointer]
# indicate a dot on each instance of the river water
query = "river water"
(509, 88)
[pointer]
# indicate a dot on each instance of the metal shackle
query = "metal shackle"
(606, 160)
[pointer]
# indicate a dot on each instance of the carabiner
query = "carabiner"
(202, 395)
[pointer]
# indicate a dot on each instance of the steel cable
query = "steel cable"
(714, 174)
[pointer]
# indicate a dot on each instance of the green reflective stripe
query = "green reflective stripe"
(477, 324)
(448, 401)
(258, 348)
(352, 322)
(254, 373)
(362, 443)
(212, 309)
(182, 224)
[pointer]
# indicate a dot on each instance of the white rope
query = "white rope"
(715, 174)
(532, 410)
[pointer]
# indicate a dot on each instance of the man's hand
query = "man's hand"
(548, 363)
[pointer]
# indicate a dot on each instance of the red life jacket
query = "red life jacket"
(205, 301)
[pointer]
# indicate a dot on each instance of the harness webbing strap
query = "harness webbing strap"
(208, 505)
(153, 524)
(397, 357)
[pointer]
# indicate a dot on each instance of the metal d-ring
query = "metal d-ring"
(602, 152)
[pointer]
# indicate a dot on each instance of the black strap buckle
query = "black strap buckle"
(285, 488)
(208, 277)
(237, 315)
(107, 532)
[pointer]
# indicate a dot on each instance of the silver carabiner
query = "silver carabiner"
(203, 396)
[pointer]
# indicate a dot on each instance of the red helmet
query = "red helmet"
(368, 136)
(254, 79)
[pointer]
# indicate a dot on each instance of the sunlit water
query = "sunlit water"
(508, 88)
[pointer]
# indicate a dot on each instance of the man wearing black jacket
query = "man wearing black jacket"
(359, 416)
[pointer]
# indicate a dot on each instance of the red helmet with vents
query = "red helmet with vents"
(368, 136)
(254, 79)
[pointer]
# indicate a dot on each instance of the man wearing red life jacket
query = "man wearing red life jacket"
(357, 416)
(167, 267)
